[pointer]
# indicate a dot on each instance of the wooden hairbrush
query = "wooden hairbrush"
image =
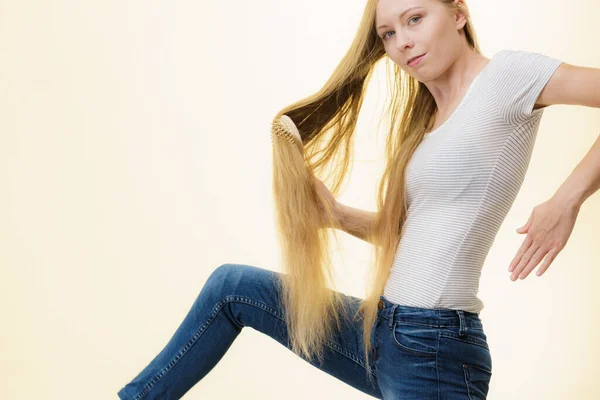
(285, 128)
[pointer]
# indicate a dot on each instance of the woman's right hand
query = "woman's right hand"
(325, 197)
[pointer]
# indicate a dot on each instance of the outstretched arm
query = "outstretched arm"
(551, 222)
(584, 180)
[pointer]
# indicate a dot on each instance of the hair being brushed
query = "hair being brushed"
(313, 139)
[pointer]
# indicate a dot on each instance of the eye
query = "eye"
(384, 36)
(416, 16)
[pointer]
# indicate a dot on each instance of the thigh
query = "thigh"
(252, 295)
(465, 364)
(406, 365)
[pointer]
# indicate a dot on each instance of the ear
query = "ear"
(461, 14)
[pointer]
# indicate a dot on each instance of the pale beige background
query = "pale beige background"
(136, 158)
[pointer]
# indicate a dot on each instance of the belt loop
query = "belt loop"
(463, 326)
(392, 313)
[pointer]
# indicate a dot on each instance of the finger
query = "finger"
(535, 260)
(524, 246)
(547, 261)
(524, 261)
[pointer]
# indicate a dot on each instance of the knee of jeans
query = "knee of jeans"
(225, 278)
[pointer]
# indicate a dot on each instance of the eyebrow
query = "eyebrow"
(400, 16)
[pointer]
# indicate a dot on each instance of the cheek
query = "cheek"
(393, 53)
(395, 56)
(437, 29)
(447, 32)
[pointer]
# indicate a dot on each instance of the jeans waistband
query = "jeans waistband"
(433, 317)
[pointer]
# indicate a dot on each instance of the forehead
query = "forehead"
(391, 9)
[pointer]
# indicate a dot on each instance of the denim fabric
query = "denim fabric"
(418, 353)
(437, 354)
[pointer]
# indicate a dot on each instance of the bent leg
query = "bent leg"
(237, 296)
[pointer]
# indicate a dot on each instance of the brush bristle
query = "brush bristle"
(285, 128)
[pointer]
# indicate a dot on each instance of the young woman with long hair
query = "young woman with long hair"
(461, 133)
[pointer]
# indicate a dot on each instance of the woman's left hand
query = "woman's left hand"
(548, 230)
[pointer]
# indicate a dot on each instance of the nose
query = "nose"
(402, 42)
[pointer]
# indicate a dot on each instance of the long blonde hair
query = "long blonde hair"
(326, 122)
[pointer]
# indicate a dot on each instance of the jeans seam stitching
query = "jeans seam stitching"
(351, 356)
(404, 322)
(468, 340)
(467, 380)
(182, 351)
(418, 353)
(227, 299)
(329, 344)
(264, 306)
(479, 368)
(437, 367)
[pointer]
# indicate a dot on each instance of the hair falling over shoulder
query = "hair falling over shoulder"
(315, 134)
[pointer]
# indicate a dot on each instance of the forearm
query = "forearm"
(354, 221)
(584, 180)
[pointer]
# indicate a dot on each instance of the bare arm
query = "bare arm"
(584, 180)
(355, 221)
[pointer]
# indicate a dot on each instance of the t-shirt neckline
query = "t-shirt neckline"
(469, 90)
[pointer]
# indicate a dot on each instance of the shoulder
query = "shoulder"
(519, 77)
(523, 60)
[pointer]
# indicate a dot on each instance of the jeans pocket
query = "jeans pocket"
(477, 380)
(473, 336)
(470, 350)
(414, 339)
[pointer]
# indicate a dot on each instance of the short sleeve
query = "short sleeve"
(520, 78)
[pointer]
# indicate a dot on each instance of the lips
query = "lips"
(414, 58)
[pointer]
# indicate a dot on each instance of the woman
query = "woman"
(457, 156)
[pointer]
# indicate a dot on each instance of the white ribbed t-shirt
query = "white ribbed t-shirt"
(463, 179)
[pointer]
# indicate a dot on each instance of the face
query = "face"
(409, 28)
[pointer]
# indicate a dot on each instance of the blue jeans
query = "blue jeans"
(418, 353)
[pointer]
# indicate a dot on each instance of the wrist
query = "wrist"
(569, 199)
(339, 211)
